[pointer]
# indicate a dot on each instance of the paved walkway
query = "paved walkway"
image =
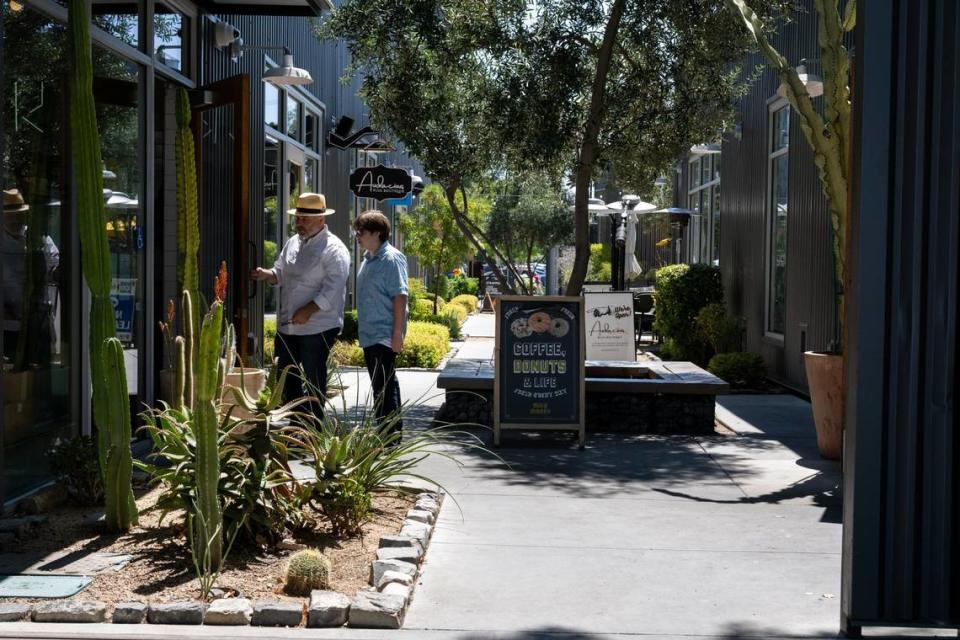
(657, 537)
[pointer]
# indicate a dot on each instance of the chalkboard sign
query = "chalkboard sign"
(539, 364)
(608, 324)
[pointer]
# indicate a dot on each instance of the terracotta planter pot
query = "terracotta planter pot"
(254, 380)
(825, 378)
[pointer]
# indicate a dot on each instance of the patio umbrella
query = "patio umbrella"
(635, 206)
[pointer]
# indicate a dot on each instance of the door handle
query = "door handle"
(252, 258)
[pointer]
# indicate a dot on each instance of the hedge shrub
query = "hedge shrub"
(720, 331)
(739, 370)
(449, 318)
(682, 290)
(462, 285)
(425, 345)
(424, 306)
(347, 353)
(349, 331)
(269, 337)
(466, 301)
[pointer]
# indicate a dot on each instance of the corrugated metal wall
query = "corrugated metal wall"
(810, 314)
(901, 552)
(325, 61)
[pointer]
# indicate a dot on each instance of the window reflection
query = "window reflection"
(118, 19)
(293, 118)
(271, 106)
(169, 37)
(36, 257)
(271, 215)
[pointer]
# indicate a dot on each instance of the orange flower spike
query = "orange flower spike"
(220, 286)
(170, 312)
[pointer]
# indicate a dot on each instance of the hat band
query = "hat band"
(11, 207)
(311, 210)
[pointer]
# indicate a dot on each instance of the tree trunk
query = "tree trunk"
(464, 224)
(436, 277)
(588, 151)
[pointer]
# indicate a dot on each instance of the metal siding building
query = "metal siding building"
(809, 314)
(901, 548)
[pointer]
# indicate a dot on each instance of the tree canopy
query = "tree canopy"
(573, 86)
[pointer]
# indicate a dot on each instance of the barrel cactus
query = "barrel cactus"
(307, 570)
(109, 383)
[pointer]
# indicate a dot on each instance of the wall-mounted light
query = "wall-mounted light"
(705, 149)
(15, 6)
(226, 36)
(661, 181)
(811, 81)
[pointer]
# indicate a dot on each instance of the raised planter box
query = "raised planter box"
(632, 397)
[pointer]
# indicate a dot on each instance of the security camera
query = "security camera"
(224, 34)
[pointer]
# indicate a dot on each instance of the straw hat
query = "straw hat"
(13, 201)
(311, 204)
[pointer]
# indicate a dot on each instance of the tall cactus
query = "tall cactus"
(188, 221)
(180, 370)
(121, 507)
(95, 257)
(191, 344)
(208, 521)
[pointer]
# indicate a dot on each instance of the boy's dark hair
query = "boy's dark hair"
(375, 222)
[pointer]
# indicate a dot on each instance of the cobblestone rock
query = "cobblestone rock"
(328, 609)
(399, 541)
(393, 576)
(176, 613)
(70, 611)
(372, 610)
(229, 611)
(130, 613)
(380, 567)
(406, 554)
(267, 613)
(15, 612)
(397, 589)
(419, 515)
(417, 530)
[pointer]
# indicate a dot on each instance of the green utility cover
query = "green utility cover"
(21, 586)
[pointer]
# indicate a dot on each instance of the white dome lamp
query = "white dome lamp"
(286, 73)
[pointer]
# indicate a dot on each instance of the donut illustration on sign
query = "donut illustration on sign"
(520, 328)
(540, 322)
(559, 327)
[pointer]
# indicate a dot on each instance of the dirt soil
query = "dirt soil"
(162, 569)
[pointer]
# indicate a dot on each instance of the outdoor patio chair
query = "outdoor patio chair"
(643, 314)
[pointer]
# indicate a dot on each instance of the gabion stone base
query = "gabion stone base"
(606, 412)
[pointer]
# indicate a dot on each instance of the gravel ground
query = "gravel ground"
(162, 569)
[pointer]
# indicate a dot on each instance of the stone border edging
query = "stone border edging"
(381, 606)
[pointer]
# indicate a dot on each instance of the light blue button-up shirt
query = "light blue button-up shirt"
(382, 277)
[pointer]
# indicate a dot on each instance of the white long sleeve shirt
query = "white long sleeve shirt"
(313, 269)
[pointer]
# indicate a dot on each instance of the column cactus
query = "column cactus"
(208, 519)
(108, 383)
(190, 344)
(188, 219)
(180, 369)
(121, 507)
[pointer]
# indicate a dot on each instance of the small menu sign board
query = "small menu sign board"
(539, 364)
(609, 327)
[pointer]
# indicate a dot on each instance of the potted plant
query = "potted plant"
(830, 137)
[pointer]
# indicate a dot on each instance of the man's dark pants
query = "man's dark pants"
(310, 352)
(380, 361)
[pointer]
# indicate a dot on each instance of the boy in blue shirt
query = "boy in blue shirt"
(381, 309)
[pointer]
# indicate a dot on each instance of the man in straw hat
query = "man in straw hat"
(311, 272)
(45, 260)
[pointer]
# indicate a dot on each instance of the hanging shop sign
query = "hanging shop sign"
(539, 365)
(608, 323)
(380, 182)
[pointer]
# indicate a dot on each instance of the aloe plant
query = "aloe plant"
(109, 382)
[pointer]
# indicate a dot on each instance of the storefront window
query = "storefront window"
(293, 119)
(271, 215)
(119, 20)
(777, 215)
(170, 28)
(271, 106)
(40, 291)
(310, 130)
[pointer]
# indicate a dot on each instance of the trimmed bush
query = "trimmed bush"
(462, 285)
(347, 353)
(739, 370)
(306, 571)
(467, 301)
(682, 290)
(349, 331)
(425, 345)
(599, 269)
(269, 337)
(444, 319)
(720, 331)
(424, 307)
(440, 285)
(669, 351)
